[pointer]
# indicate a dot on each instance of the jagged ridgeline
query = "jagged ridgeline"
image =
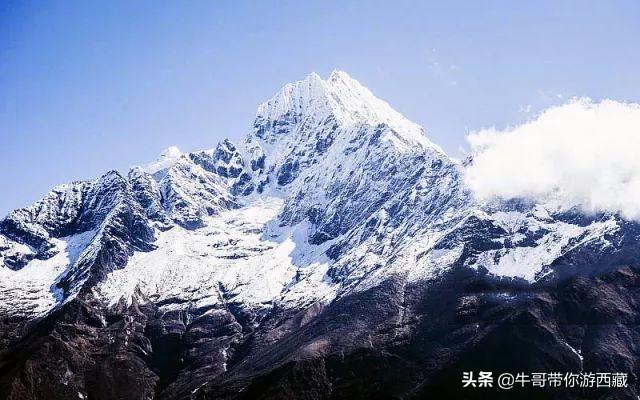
(335, 252)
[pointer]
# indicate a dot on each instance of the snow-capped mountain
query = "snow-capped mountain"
(323, 169)
(328, 230)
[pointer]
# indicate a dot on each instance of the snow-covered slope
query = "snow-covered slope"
(32, 290)
(241, 255)
(332, 192)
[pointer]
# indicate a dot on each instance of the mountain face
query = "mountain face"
(335, 252)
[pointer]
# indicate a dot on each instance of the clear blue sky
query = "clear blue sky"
(89, 86)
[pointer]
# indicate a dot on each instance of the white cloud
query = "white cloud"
(581, 153)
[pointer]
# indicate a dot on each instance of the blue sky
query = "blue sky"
(90, 86)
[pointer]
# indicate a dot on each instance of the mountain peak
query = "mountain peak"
(339, 97)
(170, 152)
(165, 159)
(337, 74)
(295, 99)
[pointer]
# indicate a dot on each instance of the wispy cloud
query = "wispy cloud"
(549, 94)
(446, 71)
(525, 108)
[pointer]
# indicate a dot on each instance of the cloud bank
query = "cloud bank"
(582, 153)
